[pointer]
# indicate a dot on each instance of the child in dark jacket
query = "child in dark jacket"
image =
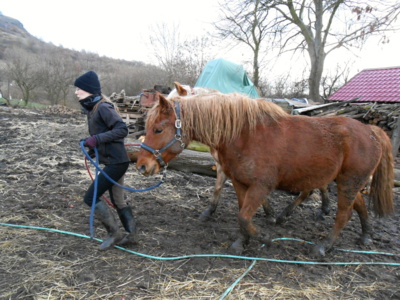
(107, 132)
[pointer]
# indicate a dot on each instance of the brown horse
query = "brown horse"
(262, 148)
(186, 90)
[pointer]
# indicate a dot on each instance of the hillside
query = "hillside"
(12, 32)
(19, 48)
(13, 27)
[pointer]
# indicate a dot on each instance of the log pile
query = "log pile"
(130, 111)
(384, 115)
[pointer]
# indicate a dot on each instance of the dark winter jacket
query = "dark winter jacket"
(110, 131)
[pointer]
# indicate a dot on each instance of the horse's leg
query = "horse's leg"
(244, 238)
(324, 210)
(269, 211)
(249, 200)
(361, 209)
(219, 183)
(288, 210)
(347, 194)
(325, 205)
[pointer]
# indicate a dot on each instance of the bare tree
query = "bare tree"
(332, 81)
(132, 80)
(165, 41)
(191, 59)
(321, 26)
(5, 92)
(57, 76)
(281, 87)
(182, 60)
(247, 23)
(265, 88)
(25, 70)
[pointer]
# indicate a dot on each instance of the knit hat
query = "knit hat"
(89, 82)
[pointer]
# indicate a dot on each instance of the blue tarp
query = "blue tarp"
(226, 77)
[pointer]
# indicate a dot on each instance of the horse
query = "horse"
(186, 90)
(262, 148)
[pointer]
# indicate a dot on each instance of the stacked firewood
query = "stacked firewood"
(126, 104)
(383, 115)
(131, 111)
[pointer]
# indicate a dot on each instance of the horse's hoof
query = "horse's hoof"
(265, 240)
(205, 216)
(320, 216)
(237, 247)
(207, 213)
(318, 251)
(280, 219)
(271, 221)
(366, 240)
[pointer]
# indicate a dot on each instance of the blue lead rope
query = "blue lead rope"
(96, 183)
(99, 170)
(96, 164)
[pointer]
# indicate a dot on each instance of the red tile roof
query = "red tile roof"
(372, 85)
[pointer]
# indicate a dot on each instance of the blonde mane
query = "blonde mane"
(220, 117)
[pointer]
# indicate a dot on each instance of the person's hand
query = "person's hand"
(90, 142)
(92, 153)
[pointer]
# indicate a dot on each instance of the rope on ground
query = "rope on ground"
(227, 255)
(254, 259)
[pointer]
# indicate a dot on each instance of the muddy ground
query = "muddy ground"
(45, 251)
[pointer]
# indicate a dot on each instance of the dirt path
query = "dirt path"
(42, 181)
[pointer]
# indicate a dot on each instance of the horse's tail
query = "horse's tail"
(381, 192)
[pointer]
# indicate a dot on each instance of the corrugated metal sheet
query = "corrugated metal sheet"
(372, 85)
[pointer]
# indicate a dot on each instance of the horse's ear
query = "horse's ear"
(181, 91)
(165, 105)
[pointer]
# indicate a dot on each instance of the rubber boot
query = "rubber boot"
(104, 214)
(128, 221)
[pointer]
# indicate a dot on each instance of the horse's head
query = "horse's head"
(164, 139)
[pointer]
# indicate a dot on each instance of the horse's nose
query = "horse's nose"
(142, 169)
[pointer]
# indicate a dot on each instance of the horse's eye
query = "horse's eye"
(156, 131)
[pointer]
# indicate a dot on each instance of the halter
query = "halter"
(177, 138)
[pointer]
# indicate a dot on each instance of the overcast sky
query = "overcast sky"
(120, 28)
(116, 28)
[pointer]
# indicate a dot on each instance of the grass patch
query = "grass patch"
(20, 103)
(194, 145)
